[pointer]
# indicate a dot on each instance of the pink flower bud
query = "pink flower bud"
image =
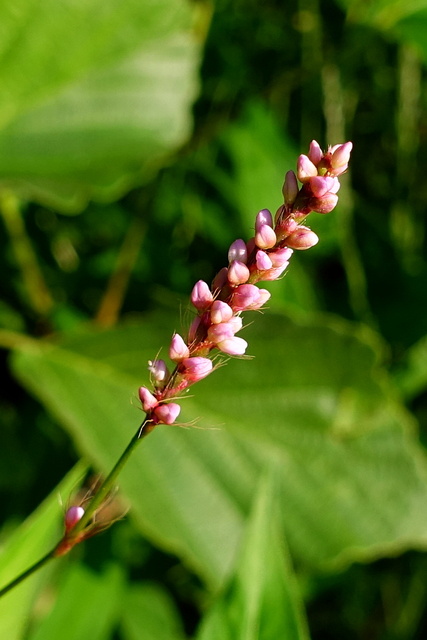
(320, 185)
(220, 279)
(325, 204)
(315, 153)
(275, 273)
(218, 332)
(265, 237)
(302, 238)
(178, 350)
(305, 169)
(290, 188)
(238, 273)
(196, 368)
(280, 257)
(263, 217)
(194, 326)
(340, 157)
(201, 295)
(233, 346)
(147, 399)
(264, 296)
(72, 517)
(238, 251)
(158, 370)
(263, 261)
(236, 323)
(166, 413)
(220, 312)
(249, 297)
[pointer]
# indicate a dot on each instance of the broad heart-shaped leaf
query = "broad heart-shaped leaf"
(32, 540)
(314, 401)
(262, 601)
(95, 94)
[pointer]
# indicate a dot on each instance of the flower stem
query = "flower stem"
(144, 429)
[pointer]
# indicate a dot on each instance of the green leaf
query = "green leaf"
(32, 540)
(95, 95)
(412, 375)
(315, 401)
(262, 600)
(87, 606)
(383, 14)
(148, 613)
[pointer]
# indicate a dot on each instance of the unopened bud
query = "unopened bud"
(265, 237)
(302, 238)
(238, 251)
(315, 153)
(72, 517)
(201, 295)
(233, 346)
(220, 312)
(305, 169)
(178, 350)
(238, 273)
(196, 368)
(148, 401)
(166, 413)
(341, 156)
(325, 204)
(290, 188)
(263, 217)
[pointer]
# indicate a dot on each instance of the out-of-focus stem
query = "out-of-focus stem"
(38, 293)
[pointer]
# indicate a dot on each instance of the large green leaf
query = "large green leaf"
(87, 606)
(314, 401)
(94, 94)
(148, 613)
(262, 600)
(32, 540)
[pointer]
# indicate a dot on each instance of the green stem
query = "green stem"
(108, 484)
(28, 572)
(110, 480)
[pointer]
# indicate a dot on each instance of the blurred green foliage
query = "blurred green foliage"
(137, 141)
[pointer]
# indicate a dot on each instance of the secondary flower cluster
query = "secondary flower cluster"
(265, 257)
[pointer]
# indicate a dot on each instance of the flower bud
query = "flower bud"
(238, 273)
(290, 188)
(166, 413)
(265, 237)
(325, 204)
(178, 350)
(263, 261)
(236, 323)
(315, 153)
(147, 399)
(302, 238)
(340, 157)
(201, 295)
(280, 257)
(263, 217)
(72, 517)
(249, 297)
(238, 251)
(233, 346)
(218, 332)
(220, 279)
(220, 312)
(158, 370)
(305, 169)
(320, 185)
(196, 368)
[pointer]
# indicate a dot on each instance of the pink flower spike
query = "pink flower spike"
(148, 401)
(166, 413)
(220, 312)
(280, 257)
(219, 332)
(72, 517)
(315, 153)
(201, 296)
(263, 261)
(265, 237)
(238, 251)
(233, 346)
(158, 370)
(302, 238)
(290, 188)
(238, 273)
(341, 157)
(320, 185)
(196, 368)
(305, 169)
(263, 217)
(178, 350)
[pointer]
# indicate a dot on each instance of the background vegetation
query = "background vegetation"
(137, 141)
